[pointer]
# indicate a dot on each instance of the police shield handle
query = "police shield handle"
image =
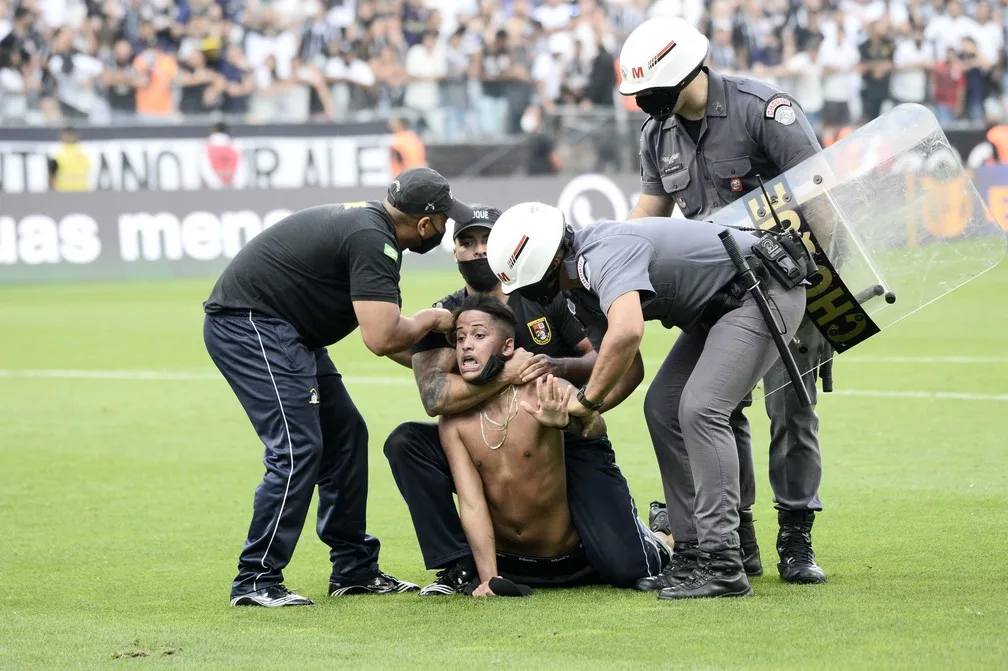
(750, 279)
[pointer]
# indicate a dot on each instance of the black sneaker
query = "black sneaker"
(273, 596)
(658, 518)
(715, 574)
(747, 544)
(794, 545)
(382, 583)
(683, 560)
(459, 578)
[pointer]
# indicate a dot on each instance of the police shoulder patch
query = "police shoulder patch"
(584, 274)
(774, 104)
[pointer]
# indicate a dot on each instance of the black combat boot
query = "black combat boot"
(715, 574)
(684, 558)
(794, 545)
(747, 544)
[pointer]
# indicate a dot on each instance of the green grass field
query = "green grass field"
(125, 497)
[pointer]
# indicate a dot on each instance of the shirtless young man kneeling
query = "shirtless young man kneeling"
(507, 461)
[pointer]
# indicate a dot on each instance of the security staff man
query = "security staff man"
(303, 284)
(707, 138)
(549, 339)
(677, 272)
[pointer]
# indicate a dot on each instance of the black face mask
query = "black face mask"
(428, 244)
(543, 291)
(662, 101)
(478, 274)
(491, 370)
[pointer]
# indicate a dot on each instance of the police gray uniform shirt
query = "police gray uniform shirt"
(678, 266)
(750, 129)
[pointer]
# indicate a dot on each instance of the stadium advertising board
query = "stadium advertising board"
(190, 164)
(68, 236)
(269, 157)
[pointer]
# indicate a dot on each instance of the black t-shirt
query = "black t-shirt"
(692, 127)
(309, 268)
(550, 330)
(191, 100)
(122, 97)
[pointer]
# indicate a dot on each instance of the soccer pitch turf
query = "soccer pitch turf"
(128, 469)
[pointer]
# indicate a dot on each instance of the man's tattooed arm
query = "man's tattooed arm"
(443, 391)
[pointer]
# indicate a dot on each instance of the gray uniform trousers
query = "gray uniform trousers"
(688, 409)
(795, 462)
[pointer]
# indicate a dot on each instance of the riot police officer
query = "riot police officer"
(707, 138)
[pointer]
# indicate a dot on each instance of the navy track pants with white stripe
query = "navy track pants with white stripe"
(313, 435)
(616, 542)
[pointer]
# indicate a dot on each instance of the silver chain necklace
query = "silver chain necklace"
(512, 412)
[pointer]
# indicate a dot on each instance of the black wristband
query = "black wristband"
(583, 400)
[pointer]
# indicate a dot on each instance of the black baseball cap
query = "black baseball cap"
(424, 191)
(483, 216)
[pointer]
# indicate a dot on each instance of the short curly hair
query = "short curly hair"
(486, 303)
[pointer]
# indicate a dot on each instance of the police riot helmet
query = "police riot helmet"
(660, 58)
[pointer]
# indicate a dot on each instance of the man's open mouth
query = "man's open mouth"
(469, 364)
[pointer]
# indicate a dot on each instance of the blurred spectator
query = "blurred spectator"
(391, 78)
(601, 78)
(948, 84)
(837, 57)
(16, 82)
(201, 87)
(575, 76)
(350, 79)
(239, 81)
(155, 99)
(121, 80)
(804, 77)
(278, 96)
(406, 150)
(427, 66)
(976, 70)
(74, 75)
(876, 68)
(723, 57)
(455, 89)
(947, 29)
(70, 168)
(543, 157)
(913, 59)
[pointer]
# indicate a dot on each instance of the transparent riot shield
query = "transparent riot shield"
(892, 220)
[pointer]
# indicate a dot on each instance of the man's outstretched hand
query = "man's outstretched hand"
(498, 586)
(551, 409)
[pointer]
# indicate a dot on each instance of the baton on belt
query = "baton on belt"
(745, 272)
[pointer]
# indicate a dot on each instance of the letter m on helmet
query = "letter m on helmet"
(637, 72)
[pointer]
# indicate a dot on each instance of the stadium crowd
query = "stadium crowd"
(474, 67)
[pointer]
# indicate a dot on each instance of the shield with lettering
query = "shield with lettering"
(892, 220)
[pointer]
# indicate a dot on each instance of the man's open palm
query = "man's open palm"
(551, 409)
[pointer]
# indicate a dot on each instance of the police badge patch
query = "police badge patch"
(780, 110)
(540, 330)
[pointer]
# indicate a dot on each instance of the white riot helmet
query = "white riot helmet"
(522, 250)
(659, 59)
